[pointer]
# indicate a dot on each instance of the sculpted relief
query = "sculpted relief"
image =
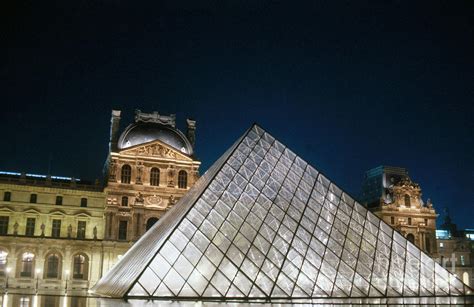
(154, 150)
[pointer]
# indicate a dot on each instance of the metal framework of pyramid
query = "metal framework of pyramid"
(263, 223)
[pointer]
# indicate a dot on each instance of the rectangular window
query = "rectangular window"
(83, 202)
(30, 226)
(7, 196)
(4, 225)
(409, 221)
(463, 262)
(56, 230)
(59, 200)
(81, 230)
(122, 235)
(441, 244)
(392, 220)
(426, 222)
(33, 198)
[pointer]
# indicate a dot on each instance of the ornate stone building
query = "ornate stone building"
(51, 230)
(149, 167)
(59, 233)
(456, 250)
(392, 195)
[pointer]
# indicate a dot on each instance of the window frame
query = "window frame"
(33, 198)
(59, 200)
(182, 179)
(155, 176)
(56, 228)
(30, 227)
(126, 174)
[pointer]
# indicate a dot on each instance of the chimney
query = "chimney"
(114, 127)
(191, 133)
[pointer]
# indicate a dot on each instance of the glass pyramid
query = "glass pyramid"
(263, 223)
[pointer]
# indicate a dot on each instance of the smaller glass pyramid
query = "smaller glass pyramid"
(263, 223)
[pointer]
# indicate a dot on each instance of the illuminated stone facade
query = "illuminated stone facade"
(456, 250)
(149, 167)
(51, 231)
(58, 233)
(393, 196)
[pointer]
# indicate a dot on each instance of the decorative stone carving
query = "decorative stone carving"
(113, 170)
(94, 231)
(154, 117)
(69, 231)
(15, 228)
(171, 172)
(154, 150)
(139, 199)
(139, 173)
(171, 200)
(42, 227)
(154, 201)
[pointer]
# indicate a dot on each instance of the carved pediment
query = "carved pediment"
(31, 211)
(155, 149)
(57, 212)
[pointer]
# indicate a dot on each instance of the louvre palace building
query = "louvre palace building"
(260, 223)
(59, 233)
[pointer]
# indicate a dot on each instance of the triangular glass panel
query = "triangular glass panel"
(261, 222)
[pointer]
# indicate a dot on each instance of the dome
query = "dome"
(140, 133)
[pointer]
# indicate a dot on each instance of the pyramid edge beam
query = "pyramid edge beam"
(116, 282)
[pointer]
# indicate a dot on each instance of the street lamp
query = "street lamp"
(9, 269)
(38, 271)
(67, 277)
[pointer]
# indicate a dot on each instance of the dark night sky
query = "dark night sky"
(348, 85)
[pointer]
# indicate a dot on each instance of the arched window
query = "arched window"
(407, 201)
(80, 266)
(3, 262)
(182, 179)
(52, 266)
(155, 176)
(465, 278)
(428, 245)
(151, 221)
(124, 201)
(411, 238)
(126, 174)
(26, 266)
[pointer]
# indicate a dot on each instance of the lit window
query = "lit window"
(33, 198)
(462, 260)
(182, 179)
(83, 202)
(126, 174)
(155, 177)
(441, 244)
(27, 264)
(81, 267)
(3, 262)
